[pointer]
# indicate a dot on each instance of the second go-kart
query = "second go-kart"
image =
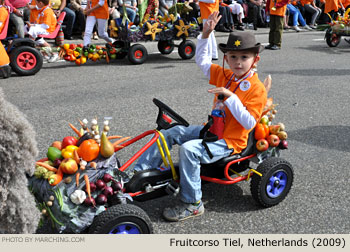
(113, 213)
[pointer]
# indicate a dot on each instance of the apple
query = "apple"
(68, 166)
(57, 144)
(282, 135)
(262, 145)
(264, 120)
(69, 140)
(273, 140)
(274, 129)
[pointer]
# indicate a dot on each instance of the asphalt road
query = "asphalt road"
(310, 84)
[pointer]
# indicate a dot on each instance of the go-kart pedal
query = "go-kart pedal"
(173, 188)
(148, 179)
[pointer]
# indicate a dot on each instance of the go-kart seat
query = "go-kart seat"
(246, 152)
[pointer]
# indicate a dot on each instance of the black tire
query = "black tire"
(187, 49)
(122, 217)
(275, 170)
(165, 46)
(137, 54)
(332, 39)
(123, 52)
(26, 60)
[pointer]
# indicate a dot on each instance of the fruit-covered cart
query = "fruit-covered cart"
(338, 28)
(81, 187)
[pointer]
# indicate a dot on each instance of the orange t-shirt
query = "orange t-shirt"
(4, 58)
(280, 11)
(3, 17)
(303, 2)
(45, 16)
(102, 12)
(254, 100)
(33, 12)
(345, 3)
(208, 8)
(331, 5)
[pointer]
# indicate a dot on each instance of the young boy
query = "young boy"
(245, 98)
(42, 22)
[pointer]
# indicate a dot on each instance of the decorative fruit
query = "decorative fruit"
(273, 140)
(117, 186)
(68, 152)
(89, 150)
(68, 166)
(282, 127)
(283, 145)
(69, 140)
(282, 135)
(57, 144)
(101, 199)
(93, 187)
(107, 148)
(107, 177)
(89, 201)
(108, 191)
(66, 46)
(262, 145)
(100, 184)
(267, 130)
(274, 129)
(259, 131)
(264, 120)
(53, 153)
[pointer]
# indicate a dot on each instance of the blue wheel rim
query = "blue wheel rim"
(126, 228)
(276, 184)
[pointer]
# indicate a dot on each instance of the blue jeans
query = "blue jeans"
(191, 154)
(130, 12)
(296, 15)
(68, 21)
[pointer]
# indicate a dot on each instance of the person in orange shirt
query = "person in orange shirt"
(4, 58)
(244, 99)
(346, 4)
(332, 7)
(276, 9)
(310, 7)
(42, 22)
(206, 8)
(96, 11)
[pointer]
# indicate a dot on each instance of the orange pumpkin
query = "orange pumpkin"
(89, 150)
(259, 131)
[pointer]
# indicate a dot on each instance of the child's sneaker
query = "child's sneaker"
(53, 58)
(183, 211)
(306, 27)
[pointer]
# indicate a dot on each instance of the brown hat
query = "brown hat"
(241, 41)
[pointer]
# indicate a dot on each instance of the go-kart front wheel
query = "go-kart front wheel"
(274, 184)
(122, 219)
(137, 54)
(332, 39)
(165, 46)
(26, 60)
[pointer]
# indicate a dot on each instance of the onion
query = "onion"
(89, 202)
(92, 187)
(107, 177)
(100, 184)
(117, 186)
(57, 162)
(101, 199)
(108, 191)
(283, 145)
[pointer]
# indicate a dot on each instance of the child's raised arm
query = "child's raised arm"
(209, 26)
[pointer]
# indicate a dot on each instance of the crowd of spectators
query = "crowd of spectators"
(236, 14)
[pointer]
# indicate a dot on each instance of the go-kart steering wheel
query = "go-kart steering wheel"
(165, 116)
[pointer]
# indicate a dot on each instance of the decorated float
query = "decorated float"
(338, 28)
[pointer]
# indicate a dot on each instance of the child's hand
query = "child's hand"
(209, 26)
(220, 90)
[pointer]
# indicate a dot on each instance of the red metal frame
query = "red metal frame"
(142, 150)
(229, 180)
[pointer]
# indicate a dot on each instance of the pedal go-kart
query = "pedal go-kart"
(338, 28)
(270, 183)
(25, 59)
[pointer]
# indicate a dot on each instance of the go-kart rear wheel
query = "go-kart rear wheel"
(137, 54)
(187, 49)
(122, 219)
(165, 46)
(332, 39)
(26, 60)
(274, 184)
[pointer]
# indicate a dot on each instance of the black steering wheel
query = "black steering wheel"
(166, 115)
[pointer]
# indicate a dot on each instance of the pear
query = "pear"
(106, 148)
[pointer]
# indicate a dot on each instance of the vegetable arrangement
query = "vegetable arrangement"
(342, 23)
(80, 176)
